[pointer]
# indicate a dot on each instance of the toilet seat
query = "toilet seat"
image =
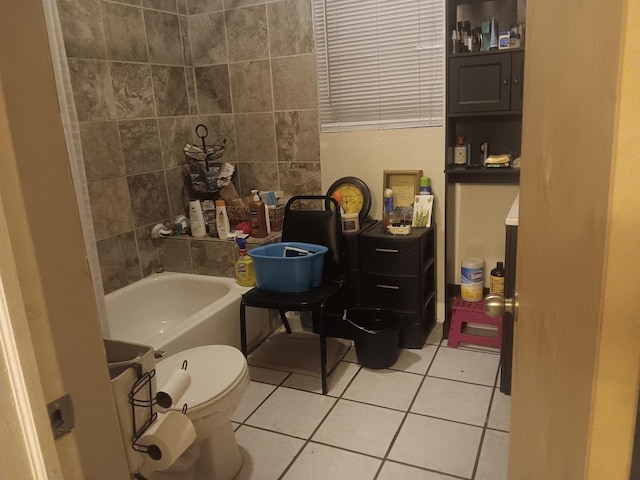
(215, 370)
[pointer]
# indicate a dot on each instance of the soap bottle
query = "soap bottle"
(497, 279)
(198, 228)
(222, 220)
(258, 216)
(460, 152)
(245, 273)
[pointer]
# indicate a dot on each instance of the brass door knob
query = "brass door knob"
(495, 305)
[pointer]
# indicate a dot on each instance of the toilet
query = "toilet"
(219, 378)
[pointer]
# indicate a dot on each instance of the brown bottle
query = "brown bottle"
(258, 216)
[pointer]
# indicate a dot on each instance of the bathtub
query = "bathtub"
(176, 311)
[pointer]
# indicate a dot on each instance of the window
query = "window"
(380, 63)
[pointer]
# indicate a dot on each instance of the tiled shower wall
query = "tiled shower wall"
(144, 73)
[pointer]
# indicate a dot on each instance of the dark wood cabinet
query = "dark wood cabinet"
(486, 82)
(398, 272)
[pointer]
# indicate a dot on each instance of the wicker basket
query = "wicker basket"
(242, 214)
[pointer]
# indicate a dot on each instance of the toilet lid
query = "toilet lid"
(213, 370)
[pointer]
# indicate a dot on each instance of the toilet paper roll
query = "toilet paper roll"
(175, 386)
(167, 438)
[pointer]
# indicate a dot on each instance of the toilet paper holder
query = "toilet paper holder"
(142, 385)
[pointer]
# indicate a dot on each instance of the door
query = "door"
(576, 350)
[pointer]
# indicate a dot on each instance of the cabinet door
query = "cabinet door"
(517, 80)
(479, 83)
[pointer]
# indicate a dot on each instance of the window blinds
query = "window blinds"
(380, 63)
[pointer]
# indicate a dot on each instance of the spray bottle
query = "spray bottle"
(245, 274)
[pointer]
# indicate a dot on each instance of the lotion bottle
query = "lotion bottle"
(222, 220)
(258, 216)
(196, 217)
(497, 279)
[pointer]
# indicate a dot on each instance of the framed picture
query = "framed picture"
(405, 185)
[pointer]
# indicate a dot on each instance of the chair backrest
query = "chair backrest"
(320, 226)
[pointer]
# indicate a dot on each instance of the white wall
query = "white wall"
(367, 154)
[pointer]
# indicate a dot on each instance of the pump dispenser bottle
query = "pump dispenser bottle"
(258, 216)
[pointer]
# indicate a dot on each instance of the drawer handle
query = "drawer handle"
(390, 287)
(387, 250)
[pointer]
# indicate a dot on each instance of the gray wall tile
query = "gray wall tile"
(92, 89)
(170, 90)
(247, 33)
(203, 6)
(149, 201)
(175, 255)
(261, 176)
(255, 134)
(119, 262)
(110, 207)
(140, 145)
(300, 178)
(182, 7)
(185, 38)
(251, 86)
(132, 90)
(244, 3)
(208, 39)
(166, 5)
(213, 257)
(175, 187)
(101, 150)
(190, 77)
(290, 27)
(212, 89)
(124, 33)
(175, 133)
(295, 83)
(82, 28)
(298, 136)
(163, 38)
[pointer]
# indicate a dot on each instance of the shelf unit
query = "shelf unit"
(484, 104)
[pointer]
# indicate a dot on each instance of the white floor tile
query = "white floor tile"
(265, 454)
(386, 388)
(351, 356)
(452, 400)
(494, 458)
(254, 396)
(266, 375)
(415, 361)
(337, 380)
(396, 471)
(500, 415)
(438, 445)
(319, 462)
(363, 428)
(292, 412)
(465, 365)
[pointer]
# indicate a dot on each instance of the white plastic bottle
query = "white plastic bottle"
(198, 228)
(222, 220)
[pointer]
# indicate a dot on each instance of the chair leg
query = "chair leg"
(323, 349)
(285, 322)
(243, 328)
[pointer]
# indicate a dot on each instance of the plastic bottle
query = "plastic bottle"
(258, 216)
(472, 279)
(198, 228)
(387, 206)
(245, 274)
(497, 279)
(425, 186)
(222, 220)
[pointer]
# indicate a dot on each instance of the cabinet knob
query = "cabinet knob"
(516, 81)
(505, 82)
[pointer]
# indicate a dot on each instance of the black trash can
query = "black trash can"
(376, 336)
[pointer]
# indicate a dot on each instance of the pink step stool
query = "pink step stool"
(472, 312)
